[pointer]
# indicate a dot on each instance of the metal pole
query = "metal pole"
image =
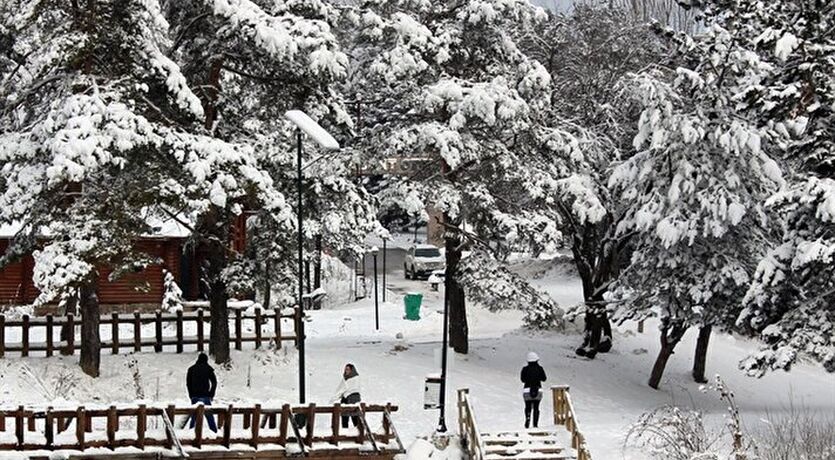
(384, 270)
(301, 267)
(442, 400)
(376, 297)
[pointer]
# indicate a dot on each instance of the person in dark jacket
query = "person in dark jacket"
(348, 392)
(532, 376)
(202, 385)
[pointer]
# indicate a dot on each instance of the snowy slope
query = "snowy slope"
(609, 392)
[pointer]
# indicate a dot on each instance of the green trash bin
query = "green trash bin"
(412, 301)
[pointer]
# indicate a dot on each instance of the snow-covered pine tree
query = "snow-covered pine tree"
(98, 134)
(447, 83)
(588, 52)
(254, 60)
(791, 303)
(696, 190)
(172, 295)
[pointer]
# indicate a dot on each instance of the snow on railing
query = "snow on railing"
(564, 415)
(468, 428)
(80, 428)
(43, 330)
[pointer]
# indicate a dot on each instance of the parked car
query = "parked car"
(421, 260)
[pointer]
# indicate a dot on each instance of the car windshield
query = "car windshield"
(427, 252)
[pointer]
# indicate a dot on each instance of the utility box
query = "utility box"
(432, 392)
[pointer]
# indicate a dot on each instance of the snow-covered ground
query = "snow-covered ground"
(609, 392)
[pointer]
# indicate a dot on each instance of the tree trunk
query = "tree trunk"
(69, 306)
(670, 337)
(90, 339)
(267, 287)
(218, 304)
(458, 330)
(700, 361)
(317, 263)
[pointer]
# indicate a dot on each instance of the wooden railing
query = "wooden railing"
(564, 415)
(467, 427)
(79, 429)
(136, 341)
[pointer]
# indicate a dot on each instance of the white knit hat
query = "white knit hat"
(532, 357)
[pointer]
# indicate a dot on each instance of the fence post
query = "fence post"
(237, 328)
(169, 438)
(311, 418)
(335, 423)
(256, 424)
(199, 329)
(282, 425)
(25, 336)
(386, 424)
(158, 331)
(559, 401)
(2, 336)
(277, 316)
(48, 432)
(2, 421)
(257, 328)
(71, 338)
(79, 427)
(49, 328)
(114, 347)
(197, 415)
(141, 426)
(18, 427)
(227, 427)
(179, 331)
(137, 332)
(112, 421)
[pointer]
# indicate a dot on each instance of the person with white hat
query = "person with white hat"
(532, 376)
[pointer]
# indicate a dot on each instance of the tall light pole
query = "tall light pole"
(384, 269)
(376, 297)
(306, 125)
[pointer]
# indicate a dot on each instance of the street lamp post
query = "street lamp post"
(376, 297)
(384, 269)
(304, 124)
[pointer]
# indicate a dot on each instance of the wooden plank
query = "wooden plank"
(49, 338)
(158, 331)
(24, 338)
(169, 439)
(2, 421)
(137, 332)
(257, 328)
(114, 327)
(200, 330)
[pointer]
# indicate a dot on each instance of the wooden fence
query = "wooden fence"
(254, 426)
(136, 341)
(467, 427)
(564, 415)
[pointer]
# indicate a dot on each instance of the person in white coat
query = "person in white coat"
(348, 392)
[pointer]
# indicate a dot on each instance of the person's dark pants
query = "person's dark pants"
(532, 405)
(210, 419)
(351, 399)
